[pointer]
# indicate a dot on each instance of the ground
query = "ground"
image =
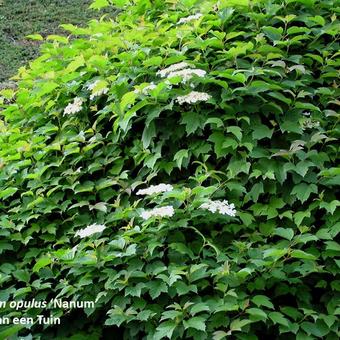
(20, 18)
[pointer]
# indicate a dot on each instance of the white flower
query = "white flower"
(310, 124)
(182, 70)
(93, 85)
(155, 189)
(91, 229)
(172, 68)
(189, 18)
(96, 93)
(73, 83)
(74, 107)
(187, 74)
(99, 93)
(167, 210)
(222, 207)
(193, 97)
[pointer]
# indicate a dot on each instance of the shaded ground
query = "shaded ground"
(19, 18)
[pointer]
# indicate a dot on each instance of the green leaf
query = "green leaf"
(101, 206)
(219, 335)
(302, 167)
(286, 233)
(192, 121)
(22, 275)
(196, 322)
(118, 243)
(302, 255)
(8, 192)
(255, 191)
(22, 291)
(273, 33)
(229, 143)
(179, 156)
(238, 324)
(330, 206)
(119, 3)
(34, 37)
(46, 88)
(309, 3)
(278, 317)
(237, 77)
(274, 252)
(156, 288)
(87, 186)
(165, 330)
(149, 132)
(304, 238)
(128, 99)
(236, 131)
(233, 3)
(318, 329)
(300, 216)
(41, 263)
(4, 245)
(154, 61)
(291, 126)
(199, 307)
(262, 300)
(151, 160)
(99, 4)
(303, 191)
(332, 245)
(280, 96)
(262, 131)
(218, 139)
(257, 313)
(247, 219)
(115, 320)
(6, 332)
(214, 120)
(237, 166)
(75, 64)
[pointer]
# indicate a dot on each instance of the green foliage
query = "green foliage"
(265, 140)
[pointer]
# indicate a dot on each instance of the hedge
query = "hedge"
(178, 167)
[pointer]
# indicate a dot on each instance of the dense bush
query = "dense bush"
(96, 119)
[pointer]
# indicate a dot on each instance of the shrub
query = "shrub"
(224, 101)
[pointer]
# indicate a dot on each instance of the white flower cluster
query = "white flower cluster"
(172, 68)
(223, 207)
(189, 18)
(155, 189)
(90, 230)
(96, 93)
(187, 74)
(183, 70)
(146, 89)
(166, 211)
(310, 124)
(74, 107)
(193, 97)
(93, 85)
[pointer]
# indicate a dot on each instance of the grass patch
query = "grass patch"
(23, 17)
